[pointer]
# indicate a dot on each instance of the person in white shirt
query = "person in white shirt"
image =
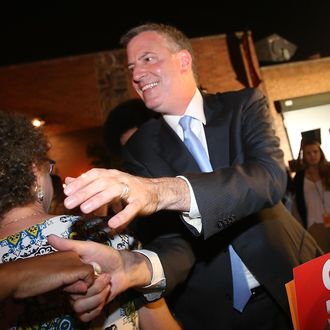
(312, 192)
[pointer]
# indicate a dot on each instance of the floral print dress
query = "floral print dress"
(52, 310)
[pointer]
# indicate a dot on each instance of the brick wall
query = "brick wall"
(291, 80)
(75, 94)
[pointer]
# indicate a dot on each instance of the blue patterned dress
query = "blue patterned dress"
(52, 310)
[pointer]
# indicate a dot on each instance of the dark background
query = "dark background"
(31, 32)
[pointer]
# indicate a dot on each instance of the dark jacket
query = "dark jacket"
(239, 203)
(298, 181)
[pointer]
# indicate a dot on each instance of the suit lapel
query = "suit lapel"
(174, 151)
(216, 132)
(176, 155)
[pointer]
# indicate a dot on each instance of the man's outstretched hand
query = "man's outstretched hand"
(129, 195)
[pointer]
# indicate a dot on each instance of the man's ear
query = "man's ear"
(185, 60)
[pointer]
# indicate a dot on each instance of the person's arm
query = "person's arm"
(144, 196)
(29, 277)
(127, 270)
(255, 180)
(256, 177)
(157, 316)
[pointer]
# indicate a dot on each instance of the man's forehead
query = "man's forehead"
(147, 42)
(151, 36)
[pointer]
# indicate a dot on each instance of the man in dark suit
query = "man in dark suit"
(235, 206)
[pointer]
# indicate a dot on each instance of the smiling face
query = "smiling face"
(161, 76)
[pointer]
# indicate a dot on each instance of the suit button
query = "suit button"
(230, 219)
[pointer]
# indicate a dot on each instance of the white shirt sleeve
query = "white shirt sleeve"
(158, 276)
(192, 217)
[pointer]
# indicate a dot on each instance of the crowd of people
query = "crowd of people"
(193, 208)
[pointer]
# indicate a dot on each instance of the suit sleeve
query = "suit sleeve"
(163, 233)
(256, 176)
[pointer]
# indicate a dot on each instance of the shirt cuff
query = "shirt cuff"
(158, 276)
(192, 217)
(156, 288)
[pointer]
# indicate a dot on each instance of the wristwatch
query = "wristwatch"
(154, 293)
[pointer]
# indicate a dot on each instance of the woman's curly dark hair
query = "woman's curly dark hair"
(21, 145)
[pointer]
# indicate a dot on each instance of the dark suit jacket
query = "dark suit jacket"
(238, 202)
(298, 181)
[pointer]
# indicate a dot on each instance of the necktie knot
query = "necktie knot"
(184, 122)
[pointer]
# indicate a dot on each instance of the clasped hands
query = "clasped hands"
(120, 270)
(129, 196)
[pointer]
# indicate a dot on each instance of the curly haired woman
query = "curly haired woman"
(25, 195)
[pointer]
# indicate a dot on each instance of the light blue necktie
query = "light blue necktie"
(194, 145)
(241, 290)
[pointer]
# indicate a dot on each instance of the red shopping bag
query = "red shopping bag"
(309, 294)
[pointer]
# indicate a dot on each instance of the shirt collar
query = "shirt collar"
(195, 109)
